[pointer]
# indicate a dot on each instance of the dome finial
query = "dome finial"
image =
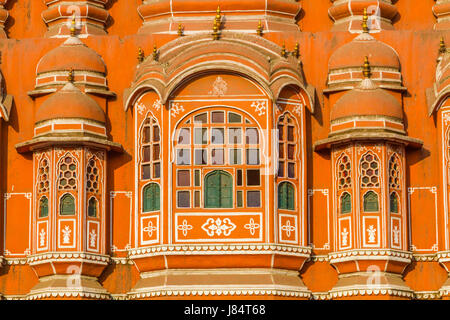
(366, 68)
(259, 30)
(73, 29)
(70, 77)
(442, 47)
(141, 55)
(180, 30)
(365, 27)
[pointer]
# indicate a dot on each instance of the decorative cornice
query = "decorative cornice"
(374, 254)
(67, 257)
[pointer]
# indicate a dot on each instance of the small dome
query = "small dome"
(367, 100)
(351, 54)
(72, 54)
(71, 103)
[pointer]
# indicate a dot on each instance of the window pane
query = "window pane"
(291, 151)
(234, 118)
(156, 170)
(281, 169)
(370, 202)
(183, 199)
(290, 134)
(146, 171)
(146, 154)
(146, 135)
(253, 199)
(291, 170)
(239, 178)
(217, 135)
(92, 207)
(239, 199)
(252, 156)
(281, 150)
(183, 157)
(184, 178)
(43, 207)
(280, 132)
(156, 152)
(197, 178)
(201, 118)
(67, 205)
(197, 199)
(253, 178)
(184, 136)
(235, 156)
(217, 117)
(251, 136)
(201, 135)
(155, 134)
(217, 156)
(234, 135)
(201, 157)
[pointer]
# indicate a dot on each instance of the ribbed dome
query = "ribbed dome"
(351, 54)
(367, 100)
(72, 54)
(70, 102)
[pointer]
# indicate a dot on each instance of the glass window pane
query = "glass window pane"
(290, 134)
(280, 132)
(201, 118)
(217, 135)
(239, 178)
(197, 178)
(251, 135)
(291, 151)
(67, 205)
(253, 199)
(92, 207)
(218, 117)
(183, 178)
(217, 156)
(197, 199)
(184, 136)
(43, 207)
(146, 135)
(281, 169)
(234, 135)
(201, 135)
(234, 118)
(146, 171)
(183, 157)
(156, 170)
(281, 150)
(239, 200)
(156, 134)
(291, 170)
(253, 156)
(156, 152)
(253, 178)
(235, 156)
(146, 154)
(184, 200)
(201, 156)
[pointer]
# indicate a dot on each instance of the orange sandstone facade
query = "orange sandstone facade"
(282, 149)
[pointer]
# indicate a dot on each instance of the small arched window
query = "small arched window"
(394, 202)
(151, 197)
(67, 205)
(92, 207)
(371, 202)
(43, 207)
(346, 203)
(286, 196)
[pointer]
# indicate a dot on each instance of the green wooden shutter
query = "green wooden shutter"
(218, 190)
(346, 203)
(290, 197)
(286, 196)
(151, 197)
(92, 207)
(67, 205)
(371, 202)
(43, 207)
(282, 196)
(226, 190)
(394, 203)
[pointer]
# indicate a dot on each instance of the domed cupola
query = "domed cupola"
(345, 64)
(88, 66)
(166, 16)
(441, 88)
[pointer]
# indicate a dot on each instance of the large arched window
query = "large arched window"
(286, 196)
(218, 190)
(371, 202)
(151, 197)
(67, 205)
(223, 139)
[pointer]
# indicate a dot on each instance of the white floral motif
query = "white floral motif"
(150, 228)
(344, 234)
(66, 234)
(176, 109)
(288, 228)
(140, 108)
(218, 226)
(185, 227)
(157, 105)
(219, 87)
(260, 107)
(396, 232)
(42, 238)
(371, 230)
(92, 238)
(252, 226)
(298, 109)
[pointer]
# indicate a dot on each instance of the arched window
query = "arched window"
(67, 205)
(286, 196)
(394, 203)
(150, 150)
(344, 173)
(394, 173)
(151, 198)
(92, 176)
(370, 171)
(346, 203)
(287, 147)
(92, 207)
(43, 207)
(218, 190)
(371, 202)
(67, 175)
(44, 171)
